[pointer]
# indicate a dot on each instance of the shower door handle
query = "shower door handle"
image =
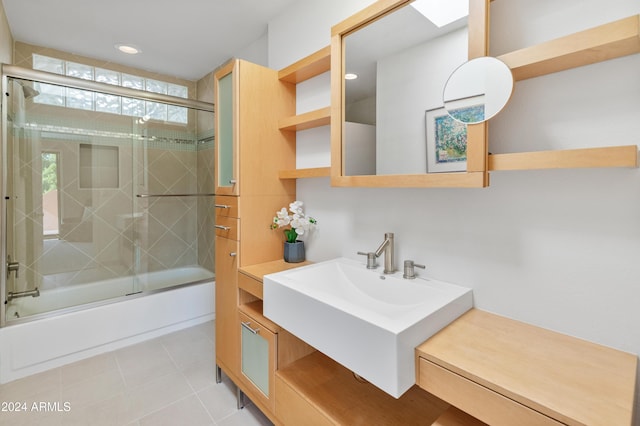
(12, 266)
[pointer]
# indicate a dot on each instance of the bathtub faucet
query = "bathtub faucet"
(15, 294)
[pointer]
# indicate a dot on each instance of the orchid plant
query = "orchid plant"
(296, 219)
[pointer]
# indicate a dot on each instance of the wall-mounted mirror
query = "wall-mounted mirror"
(390, 64)
(478, 89)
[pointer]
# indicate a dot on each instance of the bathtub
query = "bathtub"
(105, 291)
(45, 334)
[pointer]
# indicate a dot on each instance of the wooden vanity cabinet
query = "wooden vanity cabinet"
(264, 346)
(506, 372)
(311, 389)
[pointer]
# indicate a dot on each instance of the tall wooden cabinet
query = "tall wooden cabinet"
(250, 150)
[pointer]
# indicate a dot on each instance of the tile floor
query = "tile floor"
(168, 381)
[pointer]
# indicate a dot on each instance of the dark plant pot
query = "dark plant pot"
(294, 252)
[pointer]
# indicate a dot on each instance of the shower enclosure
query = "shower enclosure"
(107, 192)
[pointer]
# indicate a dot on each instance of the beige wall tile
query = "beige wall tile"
(6, 40)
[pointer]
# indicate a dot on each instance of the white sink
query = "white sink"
(366, 321)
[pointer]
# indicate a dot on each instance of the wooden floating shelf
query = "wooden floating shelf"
(305, 173)
(608, 41)
(308, 67)
(317, 390)
(441, 180)
(617, 156)
(309, 120)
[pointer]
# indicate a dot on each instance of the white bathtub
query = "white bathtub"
(49, 341)
(79, 295)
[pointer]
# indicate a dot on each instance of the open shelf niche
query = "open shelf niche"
(601, 43)
(304, 69)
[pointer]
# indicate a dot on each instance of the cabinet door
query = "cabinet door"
(227, 340)
(226, 146)
(258, 353)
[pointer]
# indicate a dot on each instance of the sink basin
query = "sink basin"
(366, 321)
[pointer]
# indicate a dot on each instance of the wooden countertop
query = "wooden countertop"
(250, 277)
(260, 270)
(569, 379)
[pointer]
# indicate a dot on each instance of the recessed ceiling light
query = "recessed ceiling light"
(350, 76)
(128, 49)
(442, 12)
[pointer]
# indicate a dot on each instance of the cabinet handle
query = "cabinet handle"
(233, 254)
(222, 206)
(232, 181)
(224, 228)
(247, 326)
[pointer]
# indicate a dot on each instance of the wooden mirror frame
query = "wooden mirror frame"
(476, 175)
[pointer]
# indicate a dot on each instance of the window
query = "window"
(101, 102)
(50, 195)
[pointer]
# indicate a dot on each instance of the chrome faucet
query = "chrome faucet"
(387, 248)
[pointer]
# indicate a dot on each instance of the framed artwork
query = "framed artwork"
(447, 138)
(469, 110)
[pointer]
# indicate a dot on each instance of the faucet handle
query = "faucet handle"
(409, 271)
(371, 259)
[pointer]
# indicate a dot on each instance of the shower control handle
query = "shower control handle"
(12, 266)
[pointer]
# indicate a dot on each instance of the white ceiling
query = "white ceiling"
(183, 38)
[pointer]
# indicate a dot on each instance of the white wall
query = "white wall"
(256, 52)
(305, 27)
(559, 248)
(408, 84)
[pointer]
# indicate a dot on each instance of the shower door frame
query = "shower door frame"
(12, 71)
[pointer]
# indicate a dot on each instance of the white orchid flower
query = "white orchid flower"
(297, 220)
(296, 207)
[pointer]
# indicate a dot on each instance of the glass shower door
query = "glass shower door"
(68, 182)
(23, 204)
(102, 195)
